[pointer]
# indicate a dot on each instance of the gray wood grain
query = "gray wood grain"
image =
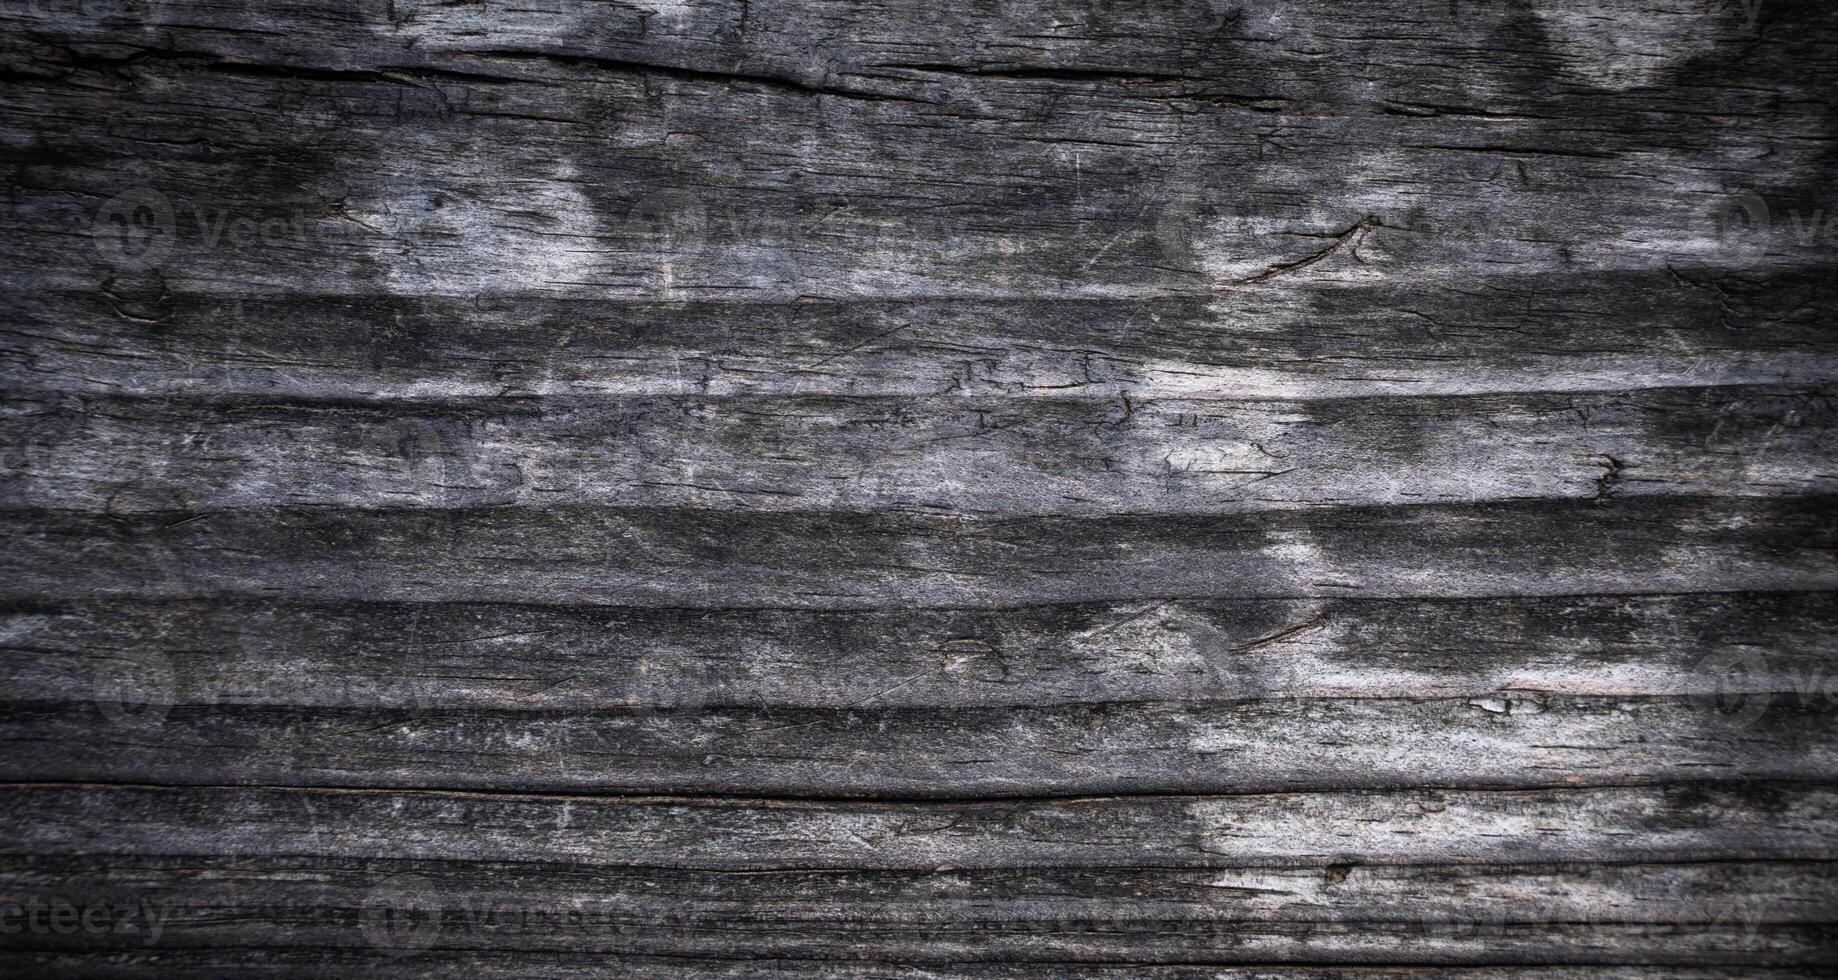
(440, 963)
(1007, 489)
(1670, 823)
(932, 882)
(1507, 739)
(1239, 155)
(1674, 913)
(459, 656)
(1601, 332)
(954, 455)
(657, 557)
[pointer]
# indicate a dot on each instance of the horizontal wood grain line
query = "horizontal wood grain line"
(1537, 894)
(588, 172)
(1688, 823)
(960, 455)
(783, 799)
(1507, 740)
(438, 964)
(1301, 914)
(671, 557)
(481, 656)
(1306, 950)
(1583, 332)
(1411, 52)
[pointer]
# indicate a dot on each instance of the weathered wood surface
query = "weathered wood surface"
(837, 559)
(919, 490)
(1081, 880)
(1675, 823)
(1671, 914)
(848, 150)
(1605, 332)
(1501, 740)
(457, 656)
(950, 454)
(443, 963)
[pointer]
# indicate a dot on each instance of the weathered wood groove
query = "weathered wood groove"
(961, 455)
(1322, 878)
(1508, 740)
(993, 219)
(278, 961)
(451, 657)
(1610, 331)
(1537, 912)
(1603, 116)
(1609, 892)
(838, 560)
(1268, 945)
(615, 796)
(1677, 823)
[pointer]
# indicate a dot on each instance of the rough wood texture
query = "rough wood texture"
(829, 488)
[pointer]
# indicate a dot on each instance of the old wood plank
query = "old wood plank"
(1122, 44)
(1756, 821)
(961, 455)
(1603, 332)
(1651, 914)
(453, 657)
(838, 560)
(468, 964)
(1507, 740)
(593, 175)
(1682, 894)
